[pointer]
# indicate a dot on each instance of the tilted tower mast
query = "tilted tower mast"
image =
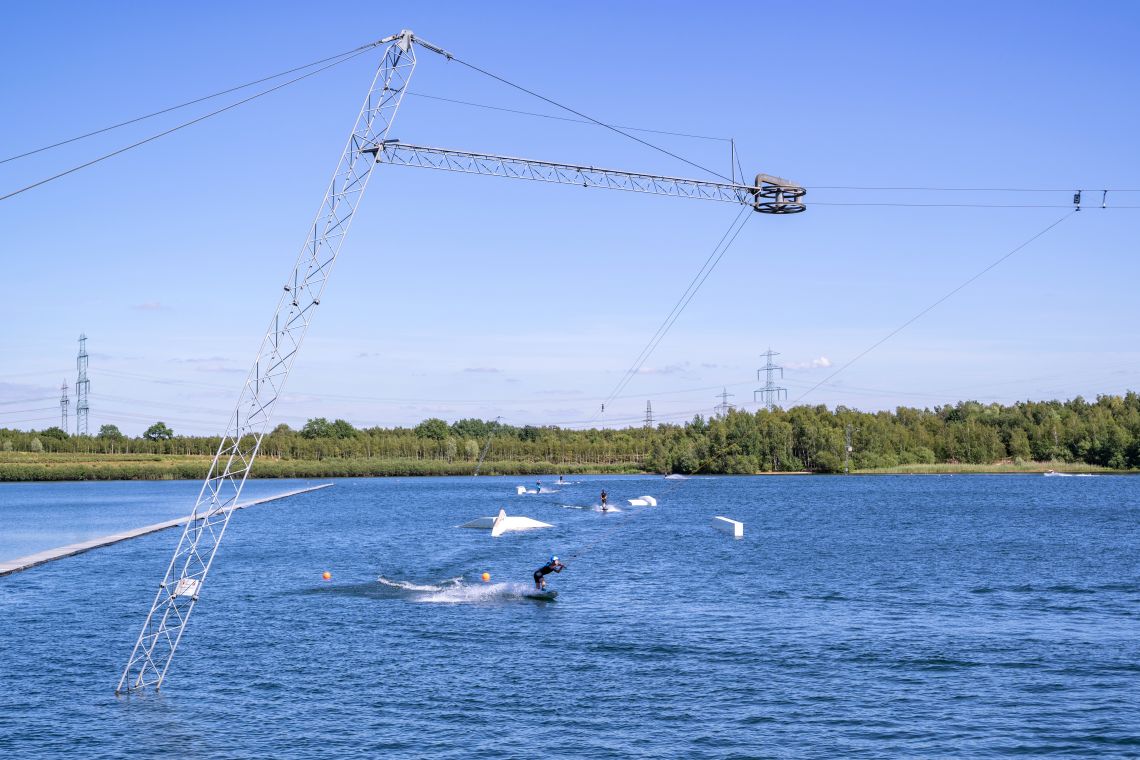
(301, 295)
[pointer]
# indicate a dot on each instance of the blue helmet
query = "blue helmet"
(553, 558)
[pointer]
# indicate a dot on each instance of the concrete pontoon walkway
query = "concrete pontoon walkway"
(23, 563)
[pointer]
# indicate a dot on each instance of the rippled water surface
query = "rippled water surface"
(891, 616)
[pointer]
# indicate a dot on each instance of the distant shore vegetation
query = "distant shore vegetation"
(1075, 435)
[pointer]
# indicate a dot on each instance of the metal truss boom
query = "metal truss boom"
(301, 295)
(770, 195)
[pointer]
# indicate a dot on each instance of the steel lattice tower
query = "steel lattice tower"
(178, 592)
(771, 393)
(82, 388)
(723, 408)
(648, 414)
(64, 402)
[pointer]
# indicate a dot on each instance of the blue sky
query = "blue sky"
(462, 296)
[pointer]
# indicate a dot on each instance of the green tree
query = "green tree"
(434, 428)
(341, 429)
(110, 432)
(317, 427)
(158, 432)
(55, 432)
(36, 446)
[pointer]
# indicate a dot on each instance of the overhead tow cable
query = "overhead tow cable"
(183, 125)
(195, 101)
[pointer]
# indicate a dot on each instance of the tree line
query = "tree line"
(1105, 432)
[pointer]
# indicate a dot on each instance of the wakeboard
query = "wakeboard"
(547, 595)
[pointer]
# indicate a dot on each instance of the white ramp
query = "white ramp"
(733, 528)
(505, 523)
(643, 501)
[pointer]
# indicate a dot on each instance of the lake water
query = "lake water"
(888, 616)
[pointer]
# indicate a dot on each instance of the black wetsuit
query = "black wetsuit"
(549, 567)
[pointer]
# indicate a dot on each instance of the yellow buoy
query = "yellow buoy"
(486, 577)
(326, 575)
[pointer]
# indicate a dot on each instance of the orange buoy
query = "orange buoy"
(486, 577)
(326, 575)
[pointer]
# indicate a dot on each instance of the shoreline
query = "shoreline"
(81, 468)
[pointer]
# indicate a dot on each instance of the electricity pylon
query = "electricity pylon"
(771, 393)
(64, 402)
(82, 388)
(723, 408)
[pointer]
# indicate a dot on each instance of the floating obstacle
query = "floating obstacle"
(734, 528)
(643, 501)
(520, 490)
(504, 523)
(675, 477)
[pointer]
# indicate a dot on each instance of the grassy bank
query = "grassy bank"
(21, 466)
(995, 468)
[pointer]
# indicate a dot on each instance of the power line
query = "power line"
(966, 189)
(22, 411)
(180, 126)
(33, 419)
(204, 98)
(963, 205)
(905, 324)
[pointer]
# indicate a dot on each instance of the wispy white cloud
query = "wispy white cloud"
(149, 306)
(217, 368)
(482, 370)
(668, 369)
(821, 363)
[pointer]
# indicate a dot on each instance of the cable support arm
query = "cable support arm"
(769, 194)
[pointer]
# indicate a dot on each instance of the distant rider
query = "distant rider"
(604, 497)
(553, 566)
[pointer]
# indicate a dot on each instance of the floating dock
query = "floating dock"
(23, 563)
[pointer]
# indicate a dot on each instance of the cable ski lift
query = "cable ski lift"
(368, 144)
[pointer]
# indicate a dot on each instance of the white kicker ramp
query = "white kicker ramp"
(734, 528)
(643, 501)
(505, 523)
